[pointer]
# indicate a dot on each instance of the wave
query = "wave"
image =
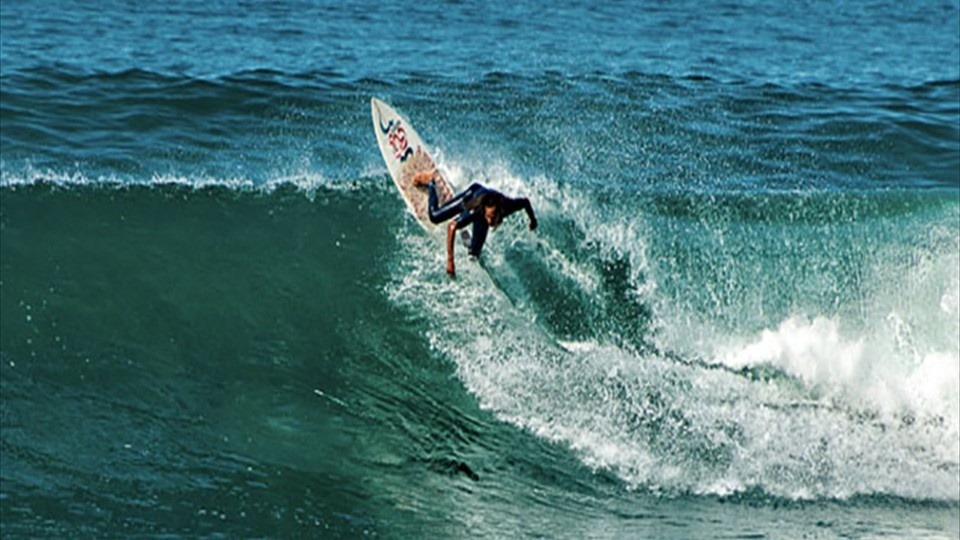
(739, 313)
(598, 345)
(61, 77)
(713, 343)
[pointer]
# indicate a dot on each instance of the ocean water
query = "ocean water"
(739, 317)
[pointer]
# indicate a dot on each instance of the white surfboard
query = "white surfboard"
(406, 155)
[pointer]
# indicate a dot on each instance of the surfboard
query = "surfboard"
(406, 155)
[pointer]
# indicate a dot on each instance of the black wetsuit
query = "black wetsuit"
(457, 207)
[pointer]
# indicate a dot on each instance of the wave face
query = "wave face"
(740, 314)
(255, 344)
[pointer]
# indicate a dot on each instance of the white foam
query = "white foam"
(867, 374)
(854, 414)
(812, 350)
(307, 182)
(30, 175)
(900, 360)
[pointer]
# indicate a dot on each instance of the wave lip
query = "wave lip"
(306, 182)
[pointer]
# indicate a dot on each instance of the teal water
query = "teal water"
(739, 317)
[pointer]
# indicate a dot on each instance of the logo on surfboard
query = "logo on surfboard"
(396, 138)
(398, 141)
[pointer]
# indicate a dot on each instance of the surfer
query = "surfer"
(477, 205)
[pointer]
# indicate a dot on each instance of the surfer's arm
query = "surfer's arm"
(512, 205)
(451, 236)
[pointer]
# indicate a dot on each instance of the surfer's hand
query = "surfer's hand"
(533, 224)
(451, 270)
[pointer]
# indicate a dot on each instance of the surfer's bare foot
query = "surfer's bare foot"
(423, 178)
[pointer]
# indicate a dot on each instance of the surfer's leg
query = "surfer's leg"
(453, 207)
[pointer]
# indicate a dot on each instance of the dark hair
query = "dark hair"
(489, 199)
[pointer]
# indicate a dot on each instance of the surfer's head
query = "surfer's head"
(489, 202)
(492, 203)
